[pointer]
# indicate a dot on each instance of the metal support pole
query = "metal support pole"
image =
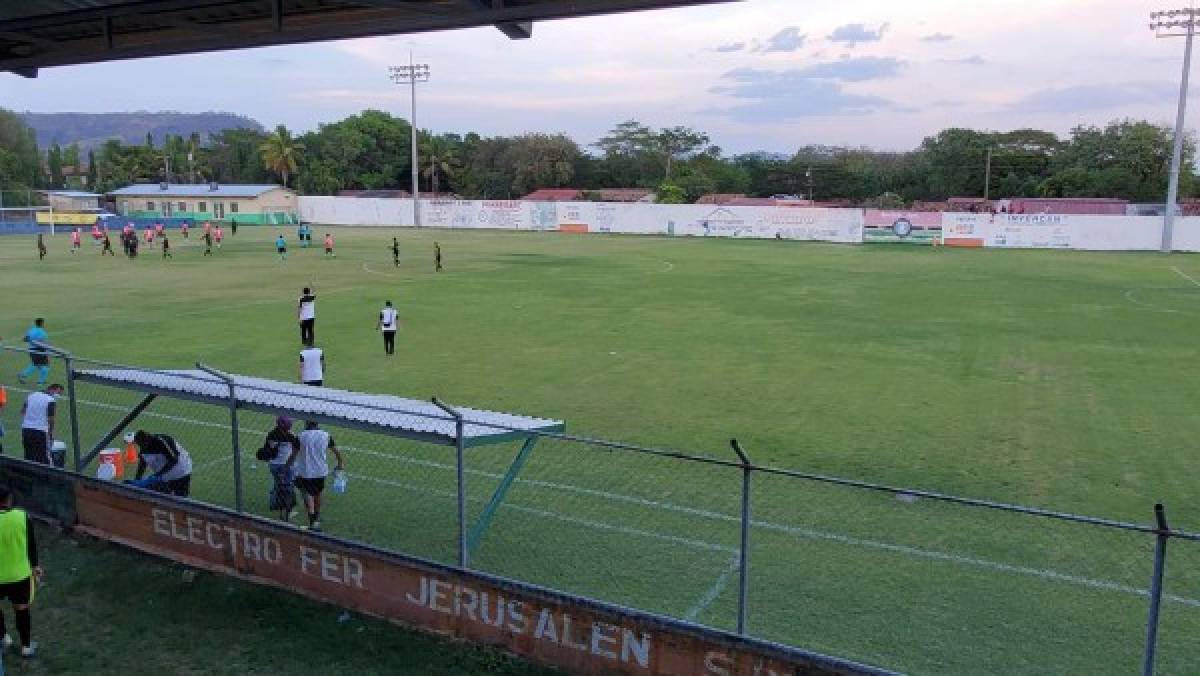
(460, 464)
(987, 176)
(744, 548)
(233, 426)
(1177, 152)
(1160, 564)
(72, 404)
(416, 191)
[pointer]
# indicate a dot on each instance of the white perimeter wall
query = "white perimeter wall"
(1041, 231)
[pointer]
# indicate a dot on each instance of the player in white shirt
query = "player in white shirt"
(388, 323)
(306, 314)
(311, 465)
(312, 365)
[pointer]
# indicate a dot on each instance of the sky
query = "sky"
(769, 75)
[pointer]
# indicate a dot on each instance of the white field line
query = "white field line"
(714, 592)
(808, 533)
(1185, 275)
(669, 266)
(1153, 308)
(366, 268)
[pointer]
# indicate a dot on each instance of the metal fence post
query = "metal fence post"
(744, 548)
(459, 447)
(1160, 564)
(73, 406)
(233, 426)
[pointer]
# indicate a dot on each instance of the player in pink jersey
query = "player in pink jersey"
(329, 245)
(184, 230)
(148, 233)
(75, 240)
(218, 234)
(158, 229)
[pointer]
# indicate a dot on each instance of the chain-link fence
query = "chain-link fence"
(917, 581)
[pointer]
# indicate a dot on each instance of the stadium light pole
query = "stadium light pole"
(411, 75)
(1176, 23)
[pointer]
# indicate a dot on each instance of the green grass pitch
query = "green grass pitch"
(1064, 380)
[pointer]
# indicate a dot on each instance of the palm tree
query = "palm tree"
(281, 153)
(440, 158)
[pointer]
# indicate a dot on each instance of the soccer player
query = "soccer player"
(395, 252)
(39, 360)
(37, 425)
(328, 245)
(166, 247)
(281, 247)
(312, 365)
(278, 448)
(437, 257)
(168, 461)
(302, 235)
(148, 234)
(183, 229)
(107, 246)
(388, 323)
(207, 243)
(75, 241)
(219, 235)
(158, 229)
(41, 245)
(19, 569)
(306, 314)
(233, 227)
(310, 463)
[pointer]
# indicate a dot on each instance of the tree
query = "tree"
(679, 142)
(440, 159)
(540, 161)
(281, 153)
(635, 154)
(54, 164)
(91, 171)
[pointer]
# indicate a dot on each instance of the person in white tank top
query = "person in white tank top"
(389, 322)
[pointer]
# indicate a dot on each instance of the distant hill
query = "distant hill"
(92, 129)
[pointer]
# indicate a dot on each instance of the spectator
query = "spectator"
(168, 461)
(19, 570)
(37, 425)
(310, 463)
(277, 450)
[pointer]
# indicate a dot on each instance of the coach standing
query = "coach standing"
(306, 312)
(37, 424)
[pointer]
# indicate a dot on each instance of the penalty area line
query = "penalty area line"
(1186, 276)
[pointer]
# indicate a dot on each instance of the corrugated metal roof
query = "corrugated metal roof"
(193, 190)
(387, 414)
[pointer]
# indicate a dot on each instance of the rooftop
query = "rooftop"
(193, 190)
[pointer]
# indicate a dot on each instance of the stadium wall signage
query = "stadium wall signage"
(552, 628)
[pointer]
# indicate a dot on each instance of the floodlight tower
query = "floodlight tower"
(1176, 23)
(411, 75)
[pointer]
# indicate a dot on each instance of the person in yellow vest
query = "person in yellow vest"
(18, 569)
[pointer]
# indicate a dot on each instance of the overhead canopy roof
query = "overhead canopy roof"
(41, 33)
(194, 190)
(384, 414)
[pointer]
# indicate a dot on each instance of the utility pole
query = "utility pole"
(987, 176)
(411, 75)
(1176, 23)
(809, 175)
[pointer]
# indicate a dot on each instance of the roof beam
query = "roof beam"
(515, 30)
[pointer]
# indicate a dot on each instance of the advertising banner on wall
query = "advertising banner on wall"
(966, 230)
(902, 227)
(1031, 231)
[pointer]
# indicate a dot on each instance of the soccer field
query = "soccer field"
(1063, 380)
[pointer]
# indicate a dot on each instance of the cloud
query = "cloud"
(790, 95)
(789, 39)
(856, 33)
(731, 47)
(937, 37)
(854, 69)
(973, 60)
(1097, 97)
